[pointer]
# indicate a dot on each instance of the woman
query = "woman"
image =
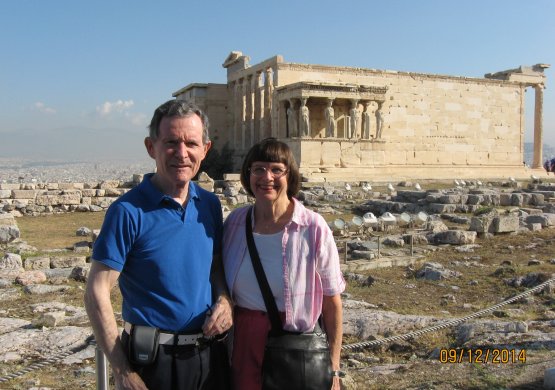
(299, 257)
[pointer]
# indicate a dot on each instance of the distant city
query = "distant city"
(13, 170)
(26, 171)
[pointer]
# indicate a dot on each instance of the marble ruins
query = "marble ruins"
(348, 123)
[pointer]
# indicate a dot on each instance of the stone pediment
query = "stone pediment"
(332, 90)
(525, 74)
(234, 57)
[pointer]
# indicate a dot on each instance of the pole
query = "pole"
(101, 370)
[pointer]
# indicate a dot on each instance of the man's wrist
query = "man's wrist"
(338, 373)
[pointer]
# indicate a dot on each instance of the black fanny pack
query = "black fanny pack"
(143, 345)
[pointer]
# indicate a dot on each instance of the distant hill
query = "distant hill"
(548, 152)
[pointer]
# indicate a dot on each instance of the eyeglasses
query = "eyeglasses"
(276, 172)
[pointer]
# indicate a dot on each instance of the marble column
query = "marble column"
(231, 113)
(238, 114)
(257, 107)
(538, 127)
(249, 123)
(268, 96)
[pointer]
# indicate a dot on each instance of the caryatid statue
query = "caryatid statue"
(379, 120)
(292, 120)
(353, 120)
(305, 119)
(366, 121)
(331, 124)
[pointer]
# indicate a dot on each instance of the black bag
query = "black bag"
(292, 361)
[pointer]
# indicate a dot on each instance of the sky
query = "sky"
(79, 80)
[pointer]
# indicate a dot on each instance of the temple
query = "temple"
(347, 123)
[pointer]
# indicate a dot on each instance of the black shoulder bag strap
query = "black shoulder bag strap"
(269, 301)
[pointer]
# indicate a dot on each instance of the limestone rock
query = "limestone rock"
(36, 262)
(69, 261)
(11, 261)
(8, 233)
(31, 277)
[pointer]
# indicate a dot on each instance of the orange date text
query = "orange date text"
(484, 356)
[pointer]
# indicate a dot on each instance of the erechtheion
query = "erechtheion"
(347, 123)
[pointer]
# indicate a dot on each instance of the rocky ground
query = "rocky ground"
(510, 346)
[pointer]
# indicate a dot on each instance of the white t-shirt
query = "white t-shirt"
(269, 251)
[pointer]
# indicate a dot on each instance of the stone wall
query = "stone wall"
(32, 198)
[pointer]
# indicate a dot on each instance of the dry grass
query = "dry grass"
(58, 230)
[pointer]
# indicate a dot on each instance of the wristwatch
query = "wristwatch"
(338, 373)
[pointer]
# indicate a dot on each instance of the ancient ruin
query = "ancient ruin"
(348, 123)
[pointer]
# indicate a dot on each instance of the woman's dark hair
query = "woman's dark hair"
(272, 150)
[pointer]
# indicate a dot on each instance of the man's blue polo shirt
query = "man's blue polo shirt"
(164, 253)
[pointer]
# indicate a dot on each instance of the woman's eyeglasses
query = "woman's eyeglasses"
(276, 172)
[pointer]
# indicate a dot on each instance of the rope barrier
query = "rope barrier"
(48, 361)
(447, 324)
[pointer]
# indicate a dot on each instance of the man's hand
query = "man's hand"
(221, 319)
(129, 381)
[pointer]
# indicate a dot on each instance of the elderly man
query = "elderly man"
(162, 240)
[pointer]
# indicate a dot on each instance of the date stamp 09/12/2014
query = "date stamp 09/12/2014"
(484, 356)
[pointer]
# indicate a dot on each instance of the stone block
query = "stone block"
(505, 199)
(11, 261)
(537, 199)
(88, 192)
(51, 319)
(24, 194)
(36, 262)
(505, 224)
(439, 208)
(30, 277)
(517, 200)
(5, 194)
(67, 262)
(67, 198)
(232, 177)
(455, 237)
(8, 233)
(475, 199)
(540, 219)
(534, 227)
(450, 199)
(10, 186)
(109, 184)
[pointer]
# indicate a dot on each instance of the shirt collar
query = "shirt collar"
(155, 196)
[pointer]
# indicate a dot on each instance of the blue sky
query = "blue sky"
(92, 72)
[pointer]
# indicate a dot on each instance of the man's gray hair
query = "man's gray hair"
(180, 109)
